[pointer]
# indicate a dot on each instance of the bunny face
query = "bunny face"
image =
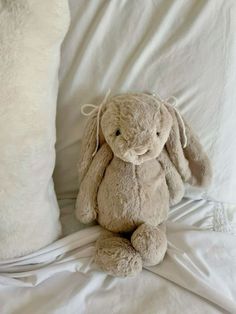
(136, 127)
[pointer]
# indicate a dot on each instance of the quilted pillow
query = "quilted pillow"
(31, 33)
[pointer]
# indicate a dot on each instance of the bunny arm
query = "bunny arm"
(86, 203)
(173, 179)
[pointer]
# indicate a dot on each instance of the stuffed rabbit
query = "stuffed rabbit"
(133, 166)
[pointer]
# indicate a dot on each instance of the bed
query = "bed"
(182, 48)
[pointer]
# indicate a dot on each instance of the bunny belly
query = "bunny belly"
(130, 195)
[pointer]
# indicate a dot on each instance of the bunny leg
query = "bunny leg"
(116, 256)
(151, 243)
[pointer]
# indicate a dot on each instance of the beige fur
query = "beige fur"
(138, 171)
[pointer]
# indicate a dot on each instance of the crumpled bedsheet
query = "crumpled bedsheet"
(200, 267)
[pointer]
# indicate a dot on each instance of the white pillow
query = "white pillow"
(31, 33)
(184, 48)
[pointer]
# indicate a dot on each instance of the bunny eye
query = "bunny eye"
(117, 132)
(158, 133)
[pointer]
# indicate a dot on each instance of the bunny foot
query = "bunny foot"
(151, 243)
(116, 256)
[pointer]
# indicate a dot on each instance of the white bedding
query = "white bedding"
(198, 274)
(175, 47)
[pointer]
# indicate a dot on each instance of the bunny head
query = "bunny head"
(137, 127)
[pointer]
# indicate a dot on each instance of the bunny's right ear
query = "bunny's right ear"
(88, 145)
(186, 152)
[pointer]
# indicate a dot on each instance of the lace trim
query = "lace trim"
(221, 221)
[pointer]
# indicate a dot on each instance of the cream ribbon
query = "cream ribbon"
(94, 109)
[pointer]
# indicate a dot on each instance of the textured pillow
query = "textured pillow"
(184, 48)
(31, 33)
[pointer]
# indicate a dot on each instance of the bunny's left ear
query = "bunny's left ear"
(189, 158)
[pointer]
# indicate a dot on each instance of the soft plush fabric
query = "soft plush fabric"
(182, 48)
(137, 152)
(31, 33)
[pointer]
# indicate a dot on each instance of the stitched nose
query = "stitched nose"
(140, 151)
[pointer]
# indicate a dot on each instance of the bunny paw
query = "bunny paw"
(117, 257)
(151, 243)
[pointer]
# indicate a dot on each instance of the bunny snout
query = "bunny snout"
(140, 151)
(134, 154)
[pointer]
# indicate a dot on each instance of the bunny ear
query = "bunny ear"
(93, 136)
(191, 162)
(88, 145)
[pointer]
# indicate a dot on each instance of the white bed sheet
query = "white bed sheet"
(198, 274)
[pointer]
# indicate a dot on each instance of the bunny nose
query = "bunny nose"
(140, 151)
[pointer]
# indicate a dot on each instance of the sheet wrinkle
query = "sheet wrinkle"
(207, 293)
(83, 42)
(134, 59)
(136, 63)
(59, 247)
(189, 262)
(184, 34)
(194, 274)
(95, 27)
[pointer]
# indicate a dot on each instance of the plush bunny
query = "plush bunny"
(133, 166)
